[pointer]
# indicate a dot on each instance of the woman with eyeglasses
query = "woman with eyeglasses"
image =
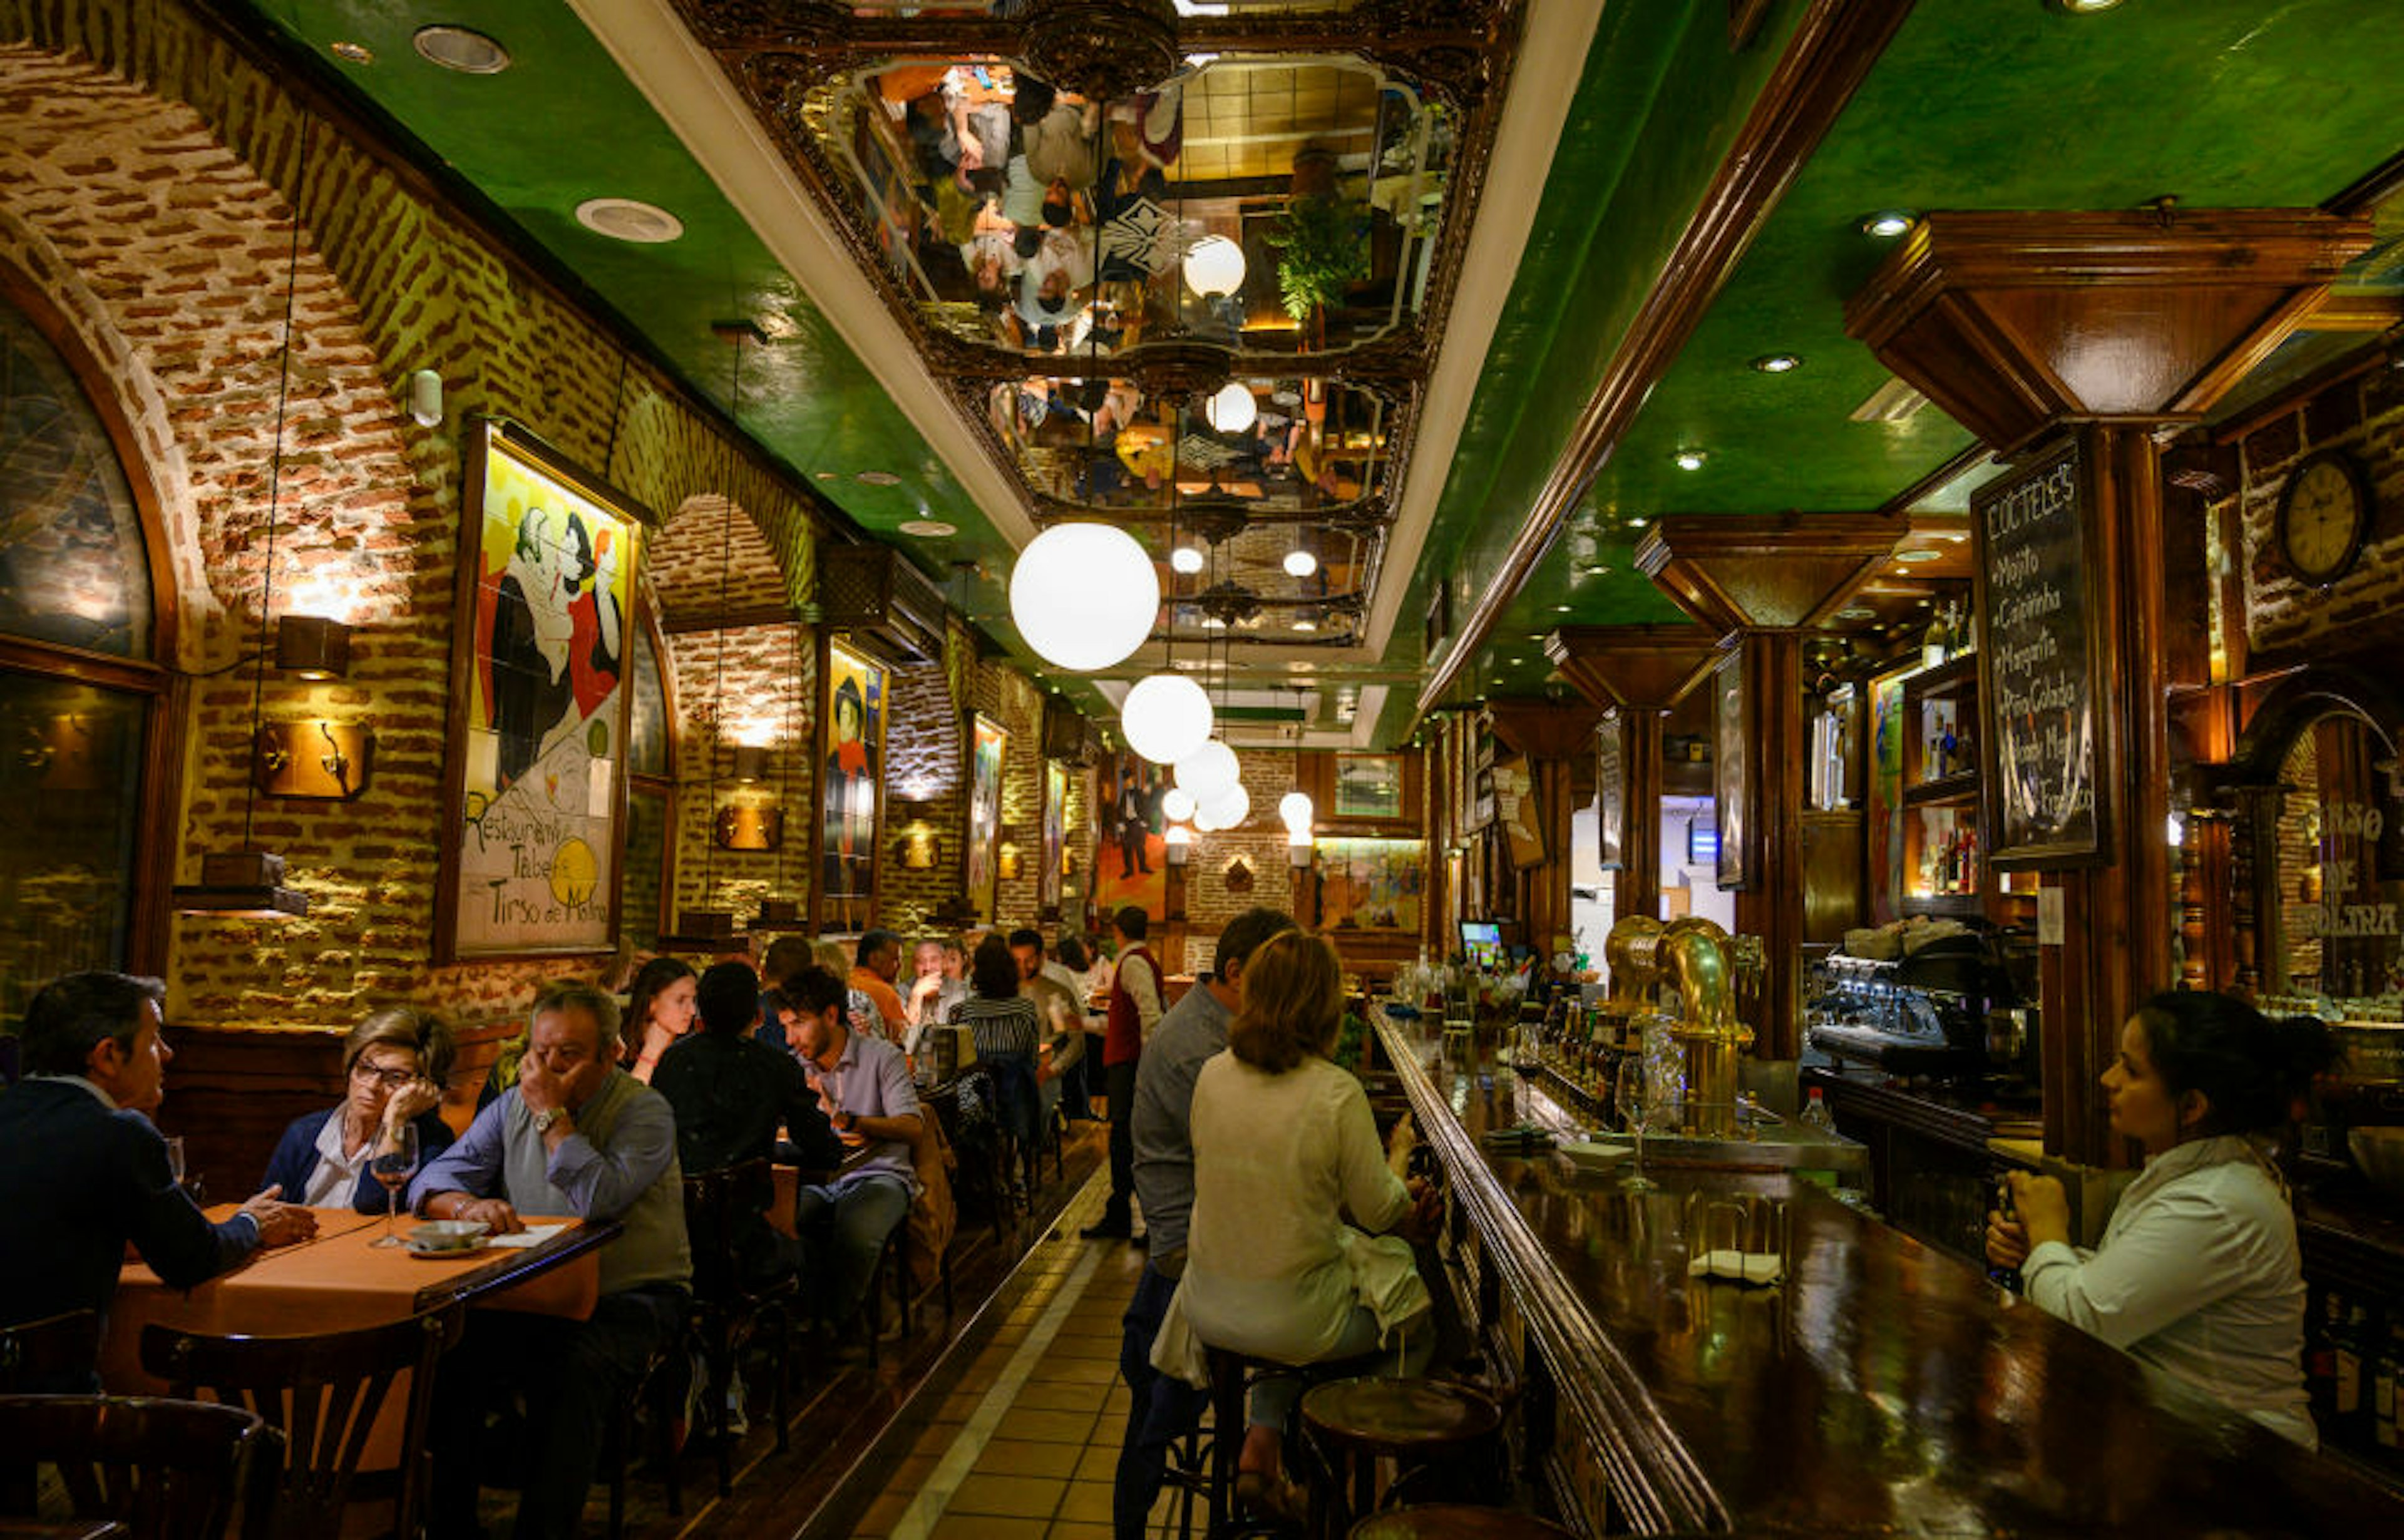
(394, 1064)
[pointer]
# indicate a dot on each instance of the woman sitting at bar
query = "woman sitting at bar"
(1006, 1028)
(394, 1064)
(2198, 1276)
(659, 1010)
(1284, 1148)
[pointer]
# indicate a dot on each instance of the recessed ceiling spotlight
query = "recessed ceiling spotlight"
(877, 478)
(358, 53)
(1920, 604)
(1778, 363)
(1886, 224)
(1597, 570)
(1300, 563)
(461, 48)
(2083, 8)
(1517, 661)
(1956, 537)
(625, 219)
(1637, 523)
(1919, 553)
(827, 475)
(1560, 609)
(1186, 559)
(927, 529)
(1857, 612)
(1688, 460)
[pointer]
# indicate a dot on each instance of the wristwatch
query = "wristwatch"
(549, 1115)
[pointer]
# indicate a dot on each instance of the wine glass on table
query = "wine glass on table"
(393, 1163)
(1635, 1111)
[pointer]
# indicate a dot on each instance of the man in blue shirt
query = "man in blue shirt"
(577, 1135)
(1192, 1032)
(864, 1085)
(83, 1172)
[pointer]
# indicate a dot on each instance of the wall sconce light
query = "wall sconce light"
(1008, 866)
(1237, 876)
(750, 826)
(1298, 850)
(248, 883)
(750, 762)
(317, 759)
(920, 848)
(314, 647)
(1180, 842)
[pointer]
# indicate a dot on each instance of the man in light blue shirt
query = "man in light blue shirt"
(577, 1135)
(864, 1085)
(1189, 1034)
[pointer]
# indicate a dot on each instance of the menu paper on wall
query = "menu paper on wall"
(2037, 666)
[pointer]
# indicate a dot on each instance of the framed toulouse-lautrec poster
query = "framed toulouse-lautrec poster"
(986, 741)
(1131, 855)
(534, 785)
(851, 782)
(1055, 836)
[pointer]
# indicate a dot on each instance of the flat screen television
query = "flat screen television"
(1481, 943)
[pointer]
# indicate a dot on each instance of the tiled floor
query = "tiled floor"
(1024, 1438)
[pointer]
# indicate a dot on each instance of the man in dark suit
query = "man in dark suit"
(83, 1171)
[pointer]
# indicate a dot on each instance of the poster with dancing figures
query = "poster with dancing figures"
(535, 782)
(2038, 667)
(1056, 835)
(851, 756)
(986, 741)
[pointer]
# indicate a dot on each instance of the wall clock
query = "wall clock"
(2324, 515)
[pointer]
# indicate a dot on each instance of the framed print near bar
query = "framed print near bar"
(1731, 763)
(986, 741)
(1368, 786)
(1611, 788)
(2046, 757)
(534, 787)
(851, 786)
(1056, 835)
(1885, 795)
(1131, 865)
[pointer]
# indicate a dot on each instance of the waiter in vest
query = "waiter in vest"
(1136, 1004)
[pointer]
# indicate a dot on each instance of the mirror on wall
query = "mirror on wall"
(2332, 895)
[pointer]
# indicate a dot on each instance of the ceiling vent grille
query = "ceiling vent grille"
(888, 605)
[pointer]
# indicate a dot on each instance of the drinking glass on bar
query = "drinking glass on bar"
(394, 1162)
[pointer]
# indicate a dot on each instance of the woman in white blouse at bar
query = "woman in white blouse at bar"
(2198, 1276)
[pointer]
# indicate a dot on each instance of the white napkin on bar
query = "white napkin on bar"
(532, 1235)
(1738, 1266)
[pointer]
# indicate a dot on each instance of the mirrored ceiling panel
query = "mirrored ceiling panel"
(1276, 205)
(1267, 445)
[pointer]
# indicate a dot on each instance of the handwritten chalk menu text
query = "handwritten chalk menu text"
(2038, 666)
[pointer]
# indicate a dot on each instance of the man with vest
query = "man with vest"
(1136, 1006)
(577, 1135)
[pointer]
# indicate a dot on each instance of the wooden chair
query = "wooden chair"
(166, 1470)
(730, 1309)
(50, 1354)
(325, 1393)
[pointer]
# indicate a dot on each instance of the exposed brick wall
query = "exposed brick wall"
(149, 177)
(1259, 841)
(923, 761)
(2365, 416)
(750, 686)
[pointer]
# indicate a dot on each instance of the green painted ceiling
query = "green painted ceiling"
(1991, 104)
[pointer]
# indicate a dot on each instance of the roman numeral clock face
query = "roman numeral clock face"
(2323, 515)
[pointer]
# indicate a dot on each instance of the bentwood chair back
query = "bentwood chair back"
(325, 1393)
(735, 1296)
(56, 1354)
(166, 1470)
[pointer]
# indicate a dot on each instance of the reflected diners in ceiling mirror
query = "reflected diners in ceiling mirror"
(2334, 891)
(1271, 204)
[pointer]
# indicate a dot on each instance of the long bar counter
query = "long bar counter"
(1881, 1387)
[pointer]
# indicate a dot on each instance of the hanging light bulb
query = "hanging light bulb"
(1177, 804)
(1295, 810)
(1300, 563)
(1166, 717)
(1207, 769)
(1228, 806)
(1186, 559)
(1233, 409)
(1214, 266)
(1083, 596)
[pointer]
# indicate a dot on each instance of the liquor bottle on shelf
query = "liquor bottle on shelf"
(2320, 1360)
(1948, 748)
(2387, 1395)
(1815, 1113)
(2348, 1347)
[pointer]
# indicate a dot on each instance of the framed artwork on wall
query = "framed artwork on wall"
(1131, 860)
(851, 786)
(1368, 786)
(535, 782)
(1611, 790)
(987, 739)
(1730, 763)
(1055, 832)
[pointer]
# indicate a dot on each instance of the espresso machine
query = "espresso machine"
(1949, 1010)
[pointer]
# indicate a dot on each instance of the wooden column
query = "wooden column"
(1762, 582)
(1641, 672)
(1551, 734)
(2023, 325)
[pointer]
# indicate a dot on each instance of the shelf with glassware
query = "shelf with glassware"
(1944, 830)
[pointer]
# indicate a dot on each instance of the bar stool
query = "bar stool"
(1454, 1522)
(1415, 1422)
(1232, 1375)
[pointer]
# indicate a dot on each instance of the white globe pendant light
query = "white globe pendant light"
(1228, 806)
(1233, 409)
(1207, 769)
(1083, 596)
(1293, 811)
(1214, 265)
(1178, 805)
(1166, 717)
(1203, 823)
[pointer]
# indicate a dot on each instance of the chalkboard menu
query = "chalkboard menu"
(2037, 666)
